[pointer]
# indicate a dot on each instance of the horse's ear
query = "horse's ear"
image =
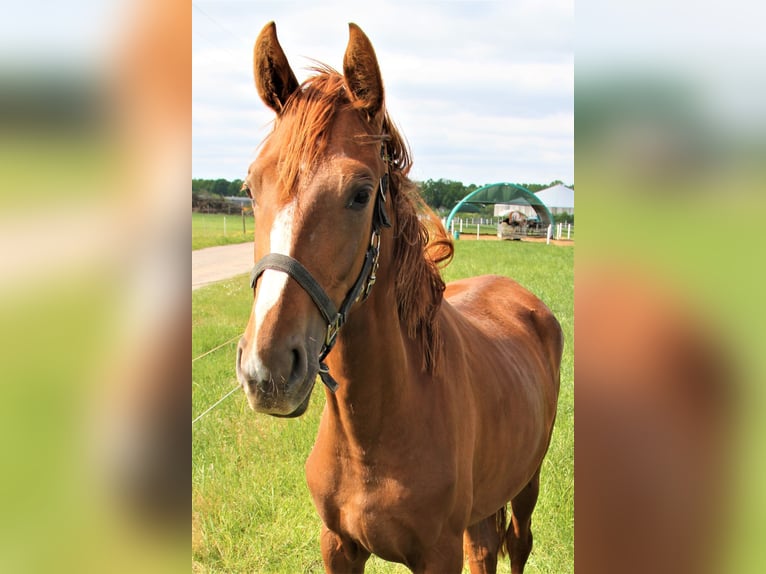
(274, 78)
(360, 67)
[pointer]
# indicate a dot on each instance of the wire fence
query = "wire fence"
(228, 393)
(206, 353)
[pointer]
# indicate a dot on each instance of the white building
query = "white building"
(558, 199)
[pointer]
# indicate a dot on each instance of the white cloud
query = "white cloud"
(482, 90)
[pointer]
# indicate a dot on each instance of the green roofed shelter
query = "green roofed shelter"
(506, 193)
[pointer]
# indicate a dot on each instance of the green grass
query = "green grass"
(208, 229)
(470, 229)
(251, 509)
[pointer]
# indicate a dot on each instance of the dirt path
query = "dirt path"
(472, 237)
(217, 263)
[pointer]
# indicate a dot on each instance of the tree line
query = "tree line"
(441, 195)
(221, 187)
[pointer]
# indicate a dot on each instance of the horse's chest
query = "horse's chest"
(368, 515)
(382, 514)
(368, 506)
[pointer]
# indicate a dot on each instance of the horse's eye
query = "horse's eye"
(360, 199)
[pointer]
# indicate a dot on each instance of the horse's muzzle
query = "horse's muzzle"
(276, 380)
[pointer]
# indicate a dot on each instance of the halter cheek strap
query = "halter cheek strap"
(334, 317)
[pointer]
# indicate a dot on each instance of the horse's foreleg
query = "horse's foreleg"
(519, 536)
(481, 543)
(341, 556)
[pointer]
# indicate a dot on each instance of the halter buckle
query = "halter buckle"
(332, 331)
(375, 247)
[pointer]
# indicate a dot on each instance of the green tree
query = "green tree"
(235, 189)
(442, 193)
(431, 192)
(200, 186)
(220, 187)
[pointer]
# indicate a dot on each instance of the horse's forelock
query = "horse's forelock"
(308, 115)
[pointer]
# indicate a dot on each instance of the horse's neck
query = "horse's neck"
(370, 365)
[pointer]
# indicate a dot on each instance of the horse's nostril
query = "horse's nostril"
(298, 369)
(238, 363)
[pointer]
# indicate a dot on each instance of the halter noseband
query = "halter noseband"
(334, 317)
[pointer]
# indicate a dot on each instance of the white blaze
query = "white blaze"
(272, 283)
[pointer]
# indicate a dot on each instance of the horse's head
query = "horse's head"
(315, 185)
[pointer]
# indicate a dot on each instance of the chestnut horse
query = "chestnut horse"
(440, 402)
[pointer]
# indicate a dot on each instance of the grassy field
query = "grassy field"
(251, 509)
(208, 229)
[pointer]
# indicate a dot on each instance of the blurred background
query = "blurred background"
(670, 135)
(95, 134)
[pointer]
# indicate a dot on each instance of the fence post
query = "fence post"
(569, 229)
(244, 231)
(478, 225)
(461, 225)
(548, 234)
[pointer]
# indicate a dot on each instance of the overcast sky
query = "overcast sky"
(483, 91)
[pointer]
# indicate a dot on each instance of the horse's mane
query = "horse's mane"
(421, 248)
(421, 245)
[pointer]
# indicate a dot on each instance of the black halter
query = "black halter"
(334, 317)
